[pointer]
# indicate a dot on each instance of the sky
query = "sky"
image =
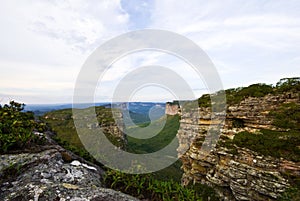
(44, 44)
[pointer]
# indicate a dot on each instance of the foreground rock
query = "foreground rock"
(52, 173)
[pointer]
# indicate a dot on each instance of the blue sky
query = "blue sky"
(43, 44)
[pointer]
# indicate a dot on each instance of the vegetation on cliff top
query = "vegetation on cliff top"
(236, 95)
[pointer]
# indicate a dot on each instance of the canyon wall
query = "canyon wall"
(244, 174)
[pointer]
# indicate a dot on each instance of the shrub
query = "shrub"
(255, 90)
(16, 127)
(271, 143)
(287, 116)
(145, 186)
(288, 84)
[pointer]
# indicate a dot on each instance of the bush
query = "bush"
(272, 143)
(255, 90)
(288, 84)
(287, 116)
(204, 101)
(16, 127)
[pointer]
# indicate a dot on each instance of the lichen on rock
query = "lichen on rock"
(45, 175)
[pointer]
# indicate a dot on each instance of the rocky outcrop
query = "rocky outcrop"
(52, 173)
(253, 112)
(172, 108)
(244, 174)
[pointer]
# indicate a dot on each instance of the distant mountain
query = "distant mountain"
(140, 112)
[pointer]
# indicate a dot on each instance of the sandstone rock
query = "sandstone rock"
(245, 175)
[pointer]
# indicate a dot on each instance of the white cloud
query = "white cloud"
(245, 40)
(44, 43)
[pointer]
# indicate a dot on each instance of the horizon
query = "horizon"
(142, 101)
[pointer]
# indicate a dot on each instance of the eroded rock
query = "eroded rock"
(46, 176)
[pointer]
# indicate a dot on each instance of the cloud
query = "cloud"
(245, 40)
(43, 44)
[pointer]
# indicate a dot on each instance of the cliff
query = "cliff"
(61, 122)
(172, 108)
(236, 171)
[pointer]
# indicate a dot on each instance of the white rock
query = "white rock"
(75, 163)
(88, 167)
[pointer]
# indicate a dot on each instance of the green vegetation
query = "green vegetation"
(287, 116)
(288, 84)
(271, 143)
(138, 118)
(293, 192)
(255, 90)
(161, 185)
(80, 151)
(16, 128)
(204, 101)
(147, 187)
(61, 122)
(165, 184)
(285, 144)
(236, 95)
(163, 138)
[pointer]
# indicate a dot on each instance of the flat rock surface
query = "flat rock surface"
(45, 175)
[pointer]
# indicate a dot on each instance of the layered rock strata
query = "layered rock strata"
(245, 174)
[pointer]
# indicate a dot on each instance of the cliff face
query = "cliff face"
(244, 174)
